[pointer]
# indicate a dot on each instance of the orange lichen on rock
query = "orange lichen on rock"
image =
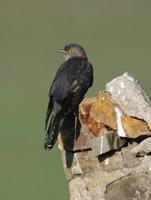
(86, 120)
(103, 111)
(135, 127)
(100, 113)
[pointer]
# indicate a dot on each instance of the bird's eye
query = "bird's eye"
(70, 50)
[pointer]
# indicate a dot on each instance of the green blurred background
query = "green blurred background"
(117, 37)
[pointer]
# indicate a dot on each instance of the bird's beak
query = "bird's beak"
(62, 51)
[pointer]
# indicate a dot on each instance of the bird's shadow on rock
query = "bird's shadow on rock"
(70, 132)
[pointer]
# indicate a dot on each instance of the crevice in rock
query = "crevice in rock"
(115, 181)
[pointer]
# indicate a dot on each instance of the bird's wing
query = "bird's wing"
(78, 93)
(54, 86)
(71, 82)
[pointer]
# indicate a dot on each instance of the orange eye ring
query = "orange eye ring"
(71, 50)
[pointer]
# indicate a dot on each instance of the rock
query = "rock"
(106, 143)
(94, 169)
(127, 92)
(103, 110)
(143, 147)
(114, 180)
(132, 187)
(88, 122)
(79, 163)
(96, 114)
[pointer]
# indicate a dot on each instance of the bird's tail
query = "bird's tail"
(52, 132)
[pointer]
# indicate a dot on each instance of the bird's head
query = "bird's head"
(73, 50)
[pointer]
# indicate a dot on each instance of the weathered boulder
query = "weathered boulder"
(108, 157)
(127, 92)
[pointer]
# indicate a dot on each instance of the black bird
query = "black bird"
(67, 90)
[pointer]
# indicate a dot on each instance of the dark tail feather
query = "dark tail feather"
(52, 132)
(49, 110)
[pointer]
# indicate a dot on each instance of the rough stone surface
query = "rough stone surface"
(116, 179)
(109, 175)
(143, 148)
(127, 92)
(131, 187)
(99, 114)
(79, 163)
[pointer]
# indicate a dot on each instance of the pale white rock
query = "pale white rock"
(127, 92)
(120, 129)
(144, 146)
